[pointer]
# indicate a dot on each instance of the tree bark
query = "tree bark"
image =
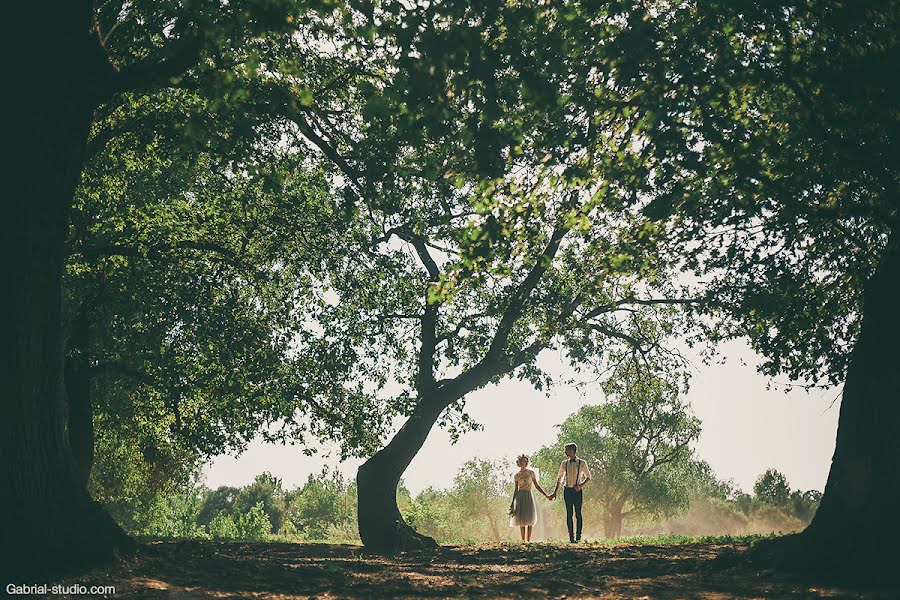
(854, 530)
(48, 523)
(495, 531)
(612, 522)
(381, 526)
(79, 413)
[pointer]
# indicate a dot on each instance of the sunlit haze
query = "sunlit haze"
(747, 429)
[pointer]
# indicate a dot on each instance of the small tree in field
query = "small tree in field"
(325, 503)
(772, 488)
(480, 493)
(637, 446)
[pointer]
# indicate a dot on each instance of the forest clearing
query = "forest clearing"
(340, 227)
(709, 569)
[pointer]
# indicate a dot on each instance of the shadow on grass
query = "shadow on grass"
(665, 567)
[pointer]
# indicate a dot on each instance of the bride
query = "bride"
(522, 513)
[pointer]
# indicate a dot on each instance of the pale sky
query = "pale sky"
(746, 430)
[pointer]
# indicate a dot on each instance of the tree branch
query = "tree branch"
(520, 296)
(155, 250)
(180, 56)
(614, 306)
(119, 368)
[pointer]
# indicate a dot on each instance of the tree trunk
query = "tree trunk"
(612, 524)
(854, 532)
(48, 523)
(381, 526)
(495, 530)
(80, 414)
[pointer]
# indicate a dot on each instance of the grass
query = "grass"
(659, 540)
(636, 540)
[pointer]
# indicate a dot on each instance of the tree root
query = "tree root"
(824, 558)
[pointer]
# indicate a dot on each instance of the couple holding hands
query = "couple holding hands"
(522, 509)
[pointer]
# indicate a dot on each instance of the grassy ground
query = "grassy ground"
(659, 567)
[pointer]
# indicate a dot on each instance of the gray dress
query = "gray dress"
(523, 513)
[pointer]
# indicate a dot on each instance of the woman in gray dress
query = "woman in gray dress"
(522, 513)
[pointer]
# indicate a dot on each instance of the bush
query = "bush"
(223, 527)
(178, 517)
(253, 525)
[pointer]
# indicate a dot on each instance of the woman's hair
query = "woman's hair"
(521, 458)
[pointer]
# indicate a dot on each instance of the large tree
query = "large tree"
(637, 445)
(183, 280)
(67, 66)
(786, 194)
(492, 156)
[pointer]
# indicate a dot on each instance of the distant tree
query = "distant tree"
(178, 517)
(251, 525)
(215, 501)
(804, 505)
(324, 503)
(743, 502)
(637, 446)
(479, 490)
(434, 513)
(772, 488)
(267, 493)
(706, 484)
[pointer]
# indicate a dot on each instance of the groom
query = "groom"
(577, 475)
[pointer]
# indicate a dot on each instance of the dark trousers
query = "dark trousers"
(573, 504)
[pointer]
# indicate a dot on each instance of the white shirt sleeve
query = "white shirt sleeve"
(587, 472)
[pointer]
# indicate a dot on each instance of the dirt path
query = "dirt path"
(203, 569)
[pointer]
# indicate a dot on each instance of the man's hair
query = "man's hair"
(572, 446)
(521, 458)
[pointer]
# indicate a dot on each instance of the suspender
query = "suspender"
(577, 471)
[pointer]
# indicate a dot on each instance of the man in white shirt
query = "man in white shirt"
(576, 474)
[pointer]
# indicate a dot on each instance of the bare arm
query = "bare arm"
(587, 478)
(559, 477)
(538, 485)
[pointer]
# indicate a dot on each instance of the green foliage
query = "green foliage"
(215, 502)
(136, 476)
(252, 525)
(772, 488)
(474, 508)
(184, 276)
(781, 197)
(265, 492)
(179, 518)
(323, 507)
(223, 527)
(804, 505)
